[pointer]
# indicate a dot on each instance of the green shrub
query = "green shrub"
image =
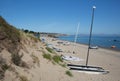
(49, 49)
(47, 56)
(63, 65)
(10, 32)
(69, 73)
(57, 59)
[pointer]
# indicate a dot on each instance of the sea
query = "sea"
(96, 40)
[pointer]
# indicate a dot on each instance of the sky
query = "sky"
(63, 16)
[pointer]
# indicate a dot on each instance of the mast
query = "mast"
(90, 34)
(76, 37)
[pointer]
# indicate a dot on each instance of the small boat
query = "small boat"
(71, 58)
(88, 69)
(93, 47)
(113, 46)
(57, 49)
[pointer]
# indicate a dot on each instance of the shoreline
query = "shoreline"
(111, 49)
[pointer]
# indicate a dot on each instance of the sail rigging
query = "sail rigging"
(86, 68)
(76, 36)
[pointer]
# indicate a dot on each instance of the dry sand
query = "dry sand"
(108, 59)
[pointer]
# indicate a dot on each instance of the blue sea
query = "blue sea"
(101, 41)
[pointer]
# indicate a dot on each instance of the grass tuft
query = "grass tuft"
(69, 73)
(49, 49)
(47, 56)
(57, 59)
(33, 37)
(63, 65)
(35, 59)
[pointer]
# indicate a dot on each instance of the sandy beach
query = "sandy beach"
(107, 59)
(33, 34)
(41, 69)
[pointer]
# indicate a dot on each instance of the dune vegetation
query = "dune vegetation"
(22, 53)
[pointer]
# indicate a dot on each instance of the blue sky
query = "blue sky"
(63, 16)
